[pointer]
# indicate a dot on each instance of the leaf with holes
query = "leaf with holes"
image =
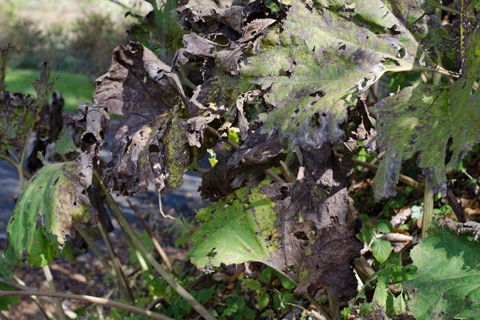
(447, 279)
(312, 67)
(151, 144)
(429, 122)
(50, 208)
(302, 229)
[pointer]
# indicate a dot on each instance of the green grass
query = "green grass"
(74, 87)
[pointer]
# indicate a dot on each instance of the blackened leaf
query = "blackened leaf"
(212, 20)
(422, 119)
(18, 112)
(57, 198)
(312, 67)
(151, 144)
(241, 167)
(419, 17)
(305, 229)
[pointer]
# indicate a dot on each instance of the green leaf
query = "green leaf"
(287, 283)
(65, 144)
(448, 276)
(266, 275)
(253, 284)
(8, 301)
(205, 294)
(57, 195)
(384, 226)
(236, 232)
(422, 120)
(366, 235)
(248, 313)
(263, 300)
(381, 250)
(313, 66)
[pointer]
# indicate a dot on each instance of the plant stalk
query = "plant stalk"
(317, 305)
(56, 300)
(175, 285)
(122, 279)
(91, 299)
(427, 210)
(156, 244)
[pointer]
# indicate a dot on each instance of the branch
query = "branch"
(403, 178)
(86, 298)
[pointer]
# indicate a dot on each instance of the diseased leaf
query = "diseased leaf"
(448, 276)
(312, 67)
(18, 112)
(241, 167)
(304, 229)
(151, 144)
(57, 198)
(422, 119)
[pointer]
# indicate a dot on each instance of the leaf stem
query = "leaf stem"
(438, 70)
(444, 8)
(122, 279)
(427, 210)
(86, 298)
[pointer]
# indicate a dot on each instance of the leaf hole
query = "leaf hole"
(84, 191)
(393, 30)
(342, 47)
(153, 148)
(74, 203)
(284, 192)
(81, 175)
(300, 235)
(401, 53)
(54, 182)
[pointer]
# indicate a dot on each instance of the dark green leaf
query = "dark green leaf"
(263, 300)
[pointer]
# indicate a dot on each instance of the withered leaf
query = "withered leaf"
(19, 112)
(241, 167)
(305, 229)
(151, 144)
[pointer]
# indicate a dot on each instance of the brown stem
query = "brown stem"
(452, 201)
(86, 298)
(317, 305)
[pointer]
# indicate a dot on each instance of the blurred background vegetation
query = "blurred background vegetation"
(75, 36)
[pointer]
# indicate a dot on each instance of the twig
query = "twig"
(56, 300)
(156, 244)
(452, 201)
(122, 280)
(34, 298)
(402, 178)
(90, 299)
(317, 305)
(396, 237)
(427, 210)
(289, 176)
(334, 306)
